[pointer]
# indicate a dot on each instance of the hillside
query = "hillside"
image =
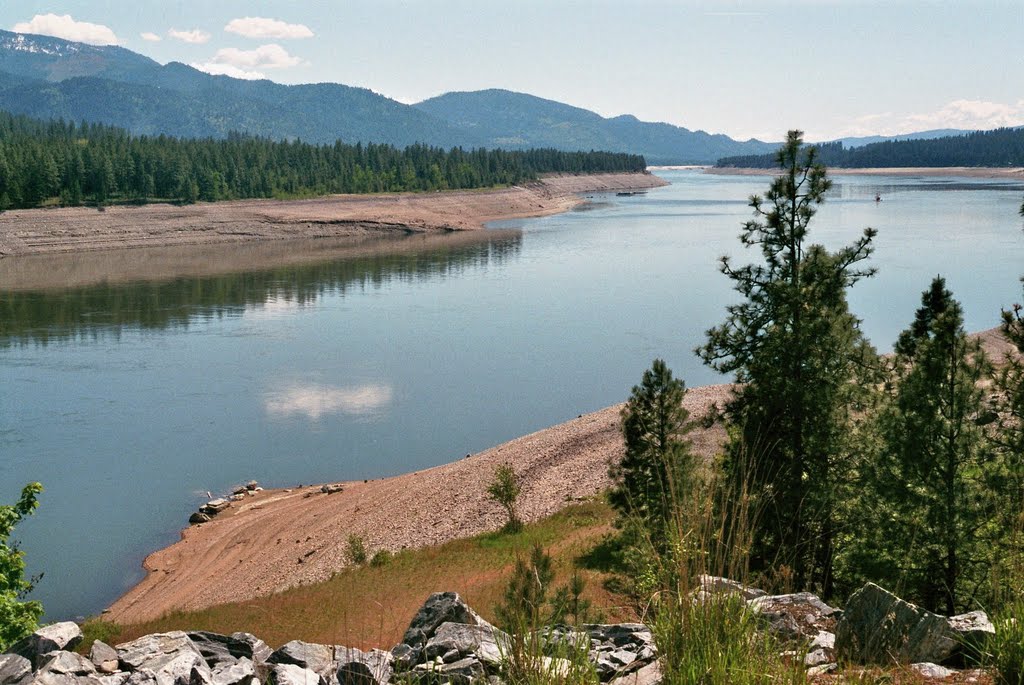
(504, 118)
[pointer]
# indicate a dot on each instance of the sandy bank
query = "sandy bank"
(76, 229)
(1014, 174)
(282, 538)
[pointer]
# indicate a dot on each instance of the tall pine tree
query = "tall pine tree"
(797, 351)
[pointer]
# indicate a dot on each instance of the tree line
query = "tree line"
(1002, 147)
(58, 162)
(841, 465)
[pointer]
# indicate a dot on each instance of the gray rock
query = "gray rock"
(356, 667)
(815, 671)
(236, 672)
(251, 486)
(215, 506)
(146, 650)
(260, 652)
(119, 678)
(103, 657)
(141, 678)
(440, 607)
(648, 675)
(290, 674)
(331, 488)
(317, 658)
(932, 671)
(796, 615)
(67, 663)
(463, 672)
(716, 585)
(54, 637)
(218, 649)
(486, 644)
(972, 631)
(14, 669)
(53, 678)
(179, 668)
(817, 656)
(878, 627)
(199, 517)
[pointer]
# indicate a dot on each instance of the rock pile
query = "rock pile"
(219, 504)
(447, 642)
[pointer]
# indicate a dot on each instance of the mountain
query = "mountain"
(47, 77)
(504, 118)
(919, 135)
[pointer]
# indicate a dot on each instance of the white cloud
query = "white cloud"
(315, 401)
(962, 114)
(228, 70)
(150, 36)
(271, 56)
(63, 26)
(193, 36)
(262, 27)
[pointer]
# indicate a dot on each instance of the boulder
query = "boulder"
(932, 671)
(716, 585)
(290, 674)
(14, 669)
(103, 657)
(331, 488)
(794, 616)
(462, 672)
(199, 517)
(648, 675)
(235, 672)
(251, 486)
(486, 644)
(149, 649)
(219, 649)
(67, 663)
(180, 668)
(215, 506)
(52, 638)
(259, 651)
(356, 667)
(620, 648)
(878, 627)
(971, 631)
(440, 607)
(119, 678)
(317, 658)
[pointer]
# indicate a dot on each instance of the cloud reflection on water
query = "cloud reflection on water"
(315, 401)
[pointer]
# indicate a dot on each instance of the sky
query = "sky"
(746, 68)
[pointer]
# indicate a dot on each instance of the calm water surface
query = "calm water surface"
(129, 402)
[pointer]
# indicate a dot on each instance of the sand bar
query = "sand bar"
(78, 229)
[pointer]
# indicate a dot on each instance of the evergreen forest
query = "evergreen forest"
(1002, 147)
(48, 163)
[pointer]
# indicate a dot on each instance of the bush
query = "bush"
(381, 558)
(18, 617)
(505, 490)
(1007, 647)
(356, 550)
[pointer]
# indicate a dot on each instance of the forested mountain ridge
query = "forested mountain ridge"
(1002, 147)
(53, 78)
(504, 118)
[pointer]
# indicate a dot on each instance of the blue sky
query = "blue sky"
(741, 67)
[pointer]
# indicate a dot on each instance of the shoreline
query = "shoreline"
(1005, 173)
(282, 538)
(83, 229)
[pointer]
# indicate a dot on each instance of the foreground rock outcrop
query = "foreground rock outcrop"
(448, 642)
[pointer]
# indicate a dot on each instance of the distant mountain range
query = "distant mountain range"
(46, 77)
(49, 77)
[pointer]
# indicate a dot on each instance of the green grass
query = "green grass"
(371, 605)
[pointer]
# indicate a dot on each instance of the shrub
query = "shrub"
(381, 558)
(18, 617)
(356, 550)
(505, 490)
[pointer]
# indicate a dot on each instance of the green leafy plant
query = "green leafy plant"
(356, 550)
(18, 616)
(381, 558)
(505, 489)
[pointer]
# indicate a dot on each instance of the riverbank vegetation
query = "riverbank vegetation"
(1002, 147)
(59, 163)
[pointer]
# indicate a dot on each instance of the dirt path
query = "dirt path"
(76, 229)
(282, 538)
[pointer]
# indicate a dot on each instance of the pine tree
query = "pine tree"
(657, 470)
(797, 351)
(934, 464)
